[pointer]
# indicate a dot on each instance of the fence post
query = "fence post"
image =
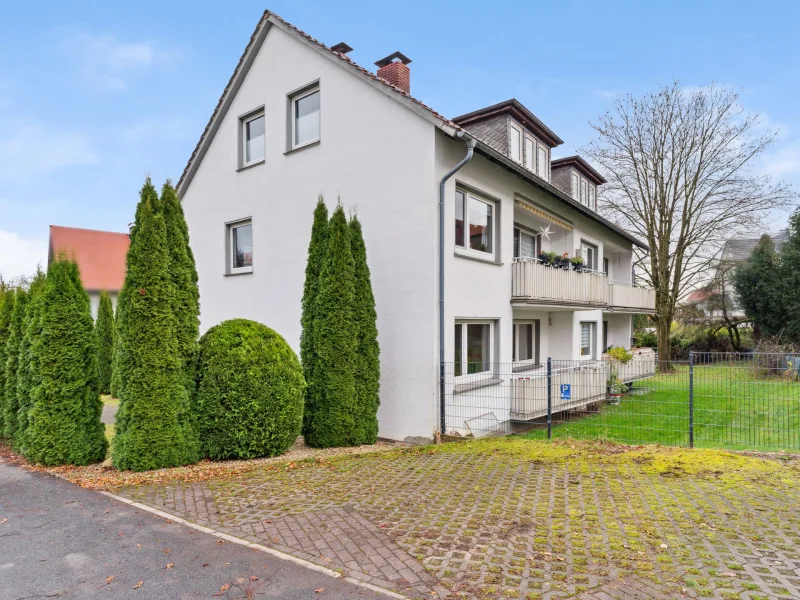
(691, 399)
(549, 397)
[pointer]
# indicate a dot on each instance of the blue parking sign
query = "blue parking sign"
(566, 392)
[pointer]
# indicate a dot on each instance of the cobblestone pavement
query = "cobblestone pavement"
(522, 519)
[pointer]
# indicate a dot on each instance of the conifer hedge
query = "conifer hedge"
(28, 368)
(63, 422)
(8, 396)
(154, 428)
(249, 400)
(367, 356)
(105, 342)
(331, 422)
(317, 249)
(7, 299)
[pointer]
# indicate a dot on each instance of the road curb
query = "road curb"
(276, 553)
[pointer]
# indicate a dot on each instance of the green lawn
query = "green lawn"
(732, 409)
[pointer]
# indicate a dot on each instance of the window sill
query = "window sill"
(235, 273)
(303, 147)
(525, 367)
(460, 388)
(251, 165)
(469, 256)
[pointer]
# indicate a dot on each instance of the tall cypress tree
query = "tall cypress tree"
(28, 367)
(118, 378)
(6, 311)
(317, 248)
(64, 418)
(105, 342)
(154, 428)
(334, 333)
(184, 278)
(367, 358)
(9, 406)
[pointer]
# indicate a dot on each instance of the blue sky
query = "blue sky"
(95, 95)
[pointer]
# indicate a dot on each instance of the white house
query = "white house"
(298, 119)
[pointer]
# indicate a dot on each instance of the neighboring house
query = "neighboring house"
(100, 256)
(298, 118)
(709, 300)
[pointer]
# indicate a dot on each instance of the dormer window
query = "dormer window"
(515, 143)
(584, 191)
(542, 164)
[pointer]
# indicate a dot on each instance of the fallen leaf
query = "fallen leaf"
(225, 587)
(167, 550)
(663, 546)
(728, 574)
(169, 520)
(383, 525)
(220, 541)
(267, 521)
(138, 545)
(319, 590)
(138, 585)
(205, 564)
(3, 521)
(108, 511)
(109, 579)
(253, 578)
(240, 580)
(170, 565)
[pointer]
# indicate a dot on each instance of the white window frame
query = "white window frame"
(585, 246)
(515, 342)
(592, 199)
(530, 157)
(546, 167)
(575, 185)
(243, 121)
(584, 192)
(520, 146)
(537, 242)
(293, 99)
(231, 251)
(592, 340)
(465, 249)
(466, 377)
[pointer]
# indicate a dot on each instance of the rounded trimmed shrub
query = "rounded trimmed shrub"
(250, 386)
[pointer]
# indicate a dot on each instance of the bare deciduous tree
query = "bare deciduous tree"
(679, 166)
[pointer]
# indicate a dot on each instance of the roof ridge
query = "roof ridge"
(91, 230)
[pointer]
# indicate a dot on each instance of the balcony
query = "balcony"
(535, 283)
(624, 296)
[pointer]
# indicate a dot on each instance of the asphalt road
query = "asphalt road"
(58, 540)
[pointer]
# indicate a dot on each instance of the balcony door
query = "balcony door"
(525, 243)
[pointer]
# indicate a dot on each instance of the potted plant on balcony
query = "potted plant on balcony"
(577, 263)
(544, 258)
(565, 261)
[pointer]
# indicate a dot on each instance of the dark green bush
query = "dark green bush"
(9, 406)
(249, 399)
(105, 341)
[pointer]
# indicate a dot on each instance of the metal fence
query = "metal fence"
(737, 401)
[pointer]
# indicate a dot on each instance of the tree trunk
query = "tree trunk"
(664, 348)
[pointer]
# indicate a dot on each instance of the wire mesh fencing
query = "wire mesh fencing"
(738, 401)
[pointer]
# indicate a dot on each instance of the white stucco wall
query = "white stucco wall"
(376, 155)
(620, 329)
(94, 302)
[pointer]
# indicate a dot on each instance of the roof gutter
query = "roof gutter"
(471, 143)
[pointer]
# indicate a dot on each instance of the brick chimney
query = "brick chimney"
(394, 69)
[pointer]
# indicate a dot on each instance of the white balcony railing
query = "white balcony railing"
(533, 281)
(624, 295)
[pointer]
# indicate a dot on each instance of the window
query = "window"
(542, 167)
(252, 139)
(592, 199)
(474, 223)
(515, 143)
(305, 118)
(525, 341)
(473, 347)
(530, 154)
(587, 339)
(589, 255)
(583, 191)
(605, 267)
(524, 244)
(575, 186)
(240, 247)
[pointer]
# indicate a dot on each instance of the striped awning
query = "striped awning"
(542, 214)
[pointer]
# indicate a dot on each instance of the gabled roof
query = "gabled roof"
(267, 21)
(449, 127)
(100, 255)
(516, 109)
(581, 165)
(740, 249)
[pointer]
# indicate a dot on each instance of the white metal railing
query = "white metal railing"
(530, 279)
(625, 295)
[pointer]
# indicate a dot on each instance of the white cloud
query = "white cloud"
(108, 64)
(29, 149)
(20, 255)
(783, 162)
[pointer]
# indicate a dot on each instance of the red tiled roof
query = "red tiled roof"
(699, 295)
(100, 255)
